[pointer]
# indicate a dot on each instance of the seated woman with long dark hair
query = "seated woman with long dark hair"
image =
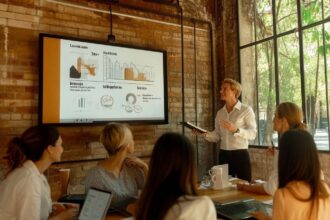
(170, 191)
(301, 194)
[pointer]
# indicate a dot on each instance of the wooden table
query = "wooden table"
(114, 217)
(222, 195)
(231, 194)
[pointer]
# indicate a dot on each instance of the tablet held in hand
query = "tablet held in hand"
(192, 126)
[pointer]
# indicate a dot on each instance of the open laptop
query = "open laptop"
(73, 198)
(241, 209)
(96, 205)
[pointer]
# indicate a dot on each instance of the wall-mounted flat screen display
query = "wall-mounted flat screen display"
(86, 82)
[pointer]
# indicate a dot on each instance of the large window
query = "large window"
(285, 56)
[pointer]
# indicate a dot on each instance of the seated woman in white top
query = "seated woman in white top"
(301, 194)
(122, 174)
(170, 191)
(25, 193)
(287, 116)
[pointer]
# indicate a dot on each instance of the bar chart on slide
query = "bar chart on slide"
(115, 70)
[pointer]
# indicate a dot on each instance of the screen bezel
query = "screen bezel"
(41, 85)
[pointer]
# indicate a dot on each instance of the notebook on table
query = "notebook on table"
(96, 205)
(241, 209)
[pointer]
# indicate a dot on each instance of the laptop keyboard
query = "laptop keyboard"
(76, 196)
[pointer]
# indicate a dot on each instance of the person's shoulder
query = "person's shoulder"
(293, 189)
(199, 206)
(190, 207)
(204, 200)
(246, 107)
(198, 200)
(280, 194)
(23, 180)
(97, 177)
(221, 109)
(94, 171)
(24, 174)
(132, 170)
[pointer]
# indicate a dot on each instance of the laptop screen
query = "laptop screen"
(241, 209)
(96, 205)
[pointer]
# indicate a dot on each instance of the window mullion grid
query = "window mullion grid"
(256, 70)
(326, 79)
(301, 58)
(238, 40)
(277, 87)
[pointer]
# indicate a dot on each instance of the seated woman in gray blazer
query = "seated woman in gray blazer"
(122, 174)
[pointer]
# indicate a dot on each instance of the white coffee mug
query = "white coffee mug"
(219, 176)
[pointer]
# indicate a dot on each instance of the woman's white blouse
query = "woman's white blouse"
(192, 208)
(25, 194)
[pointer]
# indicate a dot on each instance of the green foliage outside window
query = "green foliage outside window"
(286, 58)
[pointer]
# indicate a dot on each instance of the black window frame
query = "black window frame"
(300, 28)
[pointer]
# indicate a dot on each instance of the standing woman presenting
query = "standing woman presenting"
(235, 125)
(25, 193)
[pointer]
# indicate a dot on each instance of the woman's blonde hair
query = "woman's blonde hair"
(234, 85)
(114, 136)
(292, 113)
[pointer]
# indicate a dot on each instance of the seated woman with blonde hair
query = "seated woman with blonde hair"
(287, 116)
(122, 174)
(170, 191)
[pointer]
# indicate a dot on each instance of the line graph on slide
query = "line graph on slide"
(113, 69)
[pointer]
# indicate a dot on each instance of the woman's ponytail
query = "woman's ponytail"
(31, 145)
(15, 154)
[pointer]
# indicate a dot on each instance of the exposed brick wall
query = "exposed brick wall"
(21, 21)
(226, 30)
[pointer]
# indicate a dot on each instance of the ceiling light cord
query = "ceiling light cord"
(111, 37)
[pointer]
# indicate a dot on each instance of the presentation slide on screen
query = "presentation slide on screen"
(103, 83)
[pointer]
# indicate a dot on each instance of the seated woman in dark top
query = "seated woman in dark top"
(122, 174)
(170, 191)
